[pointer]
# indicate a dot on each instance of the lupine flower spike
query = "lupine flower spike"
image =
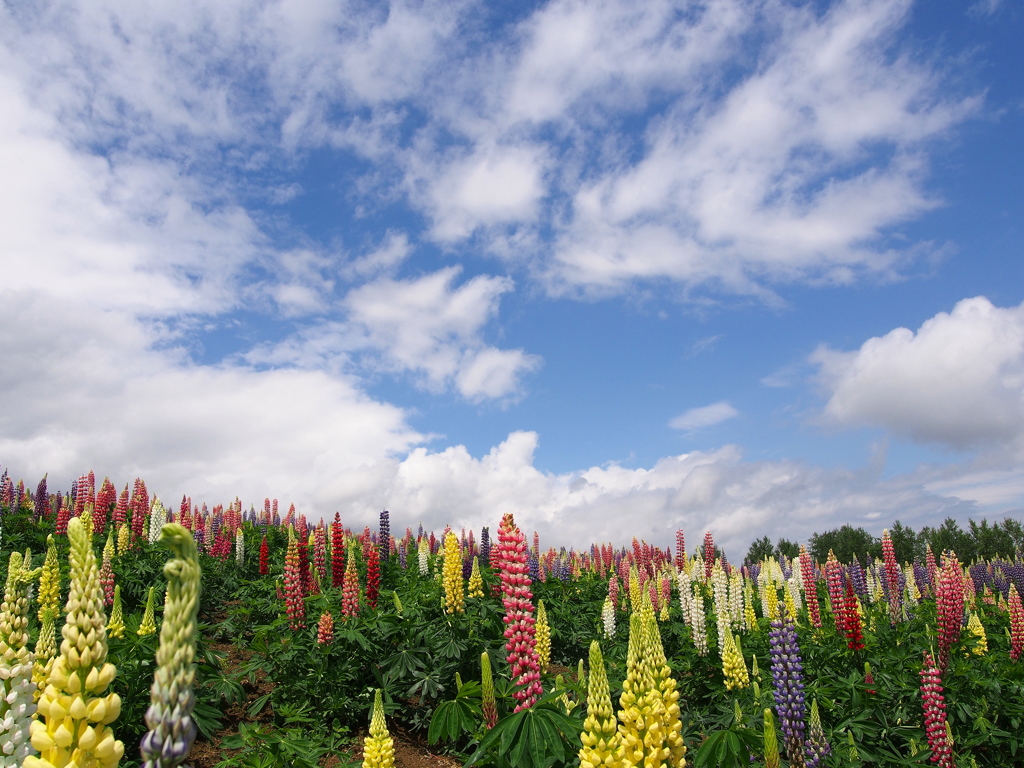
(1016, 624)
(935, 724)
(148, 625)
(17, 704)
(49, 610)
(543, 632)
(454, 594)
(74, 715)
(476, 581)
(325, 628)
(489, 704)
(115, 626)
(601, 742)
(378, 747)
(171, 698)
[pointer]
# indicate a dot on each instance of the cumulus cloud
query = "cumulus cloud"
(957, 381)
(705, 416)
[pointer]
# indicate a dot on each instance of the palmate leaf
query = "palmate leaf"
(536, 737)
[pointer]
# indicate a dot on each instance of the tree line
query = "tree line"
(980, 541)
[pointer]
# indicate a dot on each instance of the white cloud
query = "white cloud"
(958, 381)
(705, 416)
(429, 326)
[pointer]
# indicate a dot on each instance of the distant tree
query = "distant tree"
(906, 543)
(991, 540)
(950, 535)
(1015, 531)
(760, 549)
(847, 542)
(788, 548)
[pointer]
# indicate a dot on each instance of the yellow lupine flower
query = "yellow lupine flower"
(542, 632)
(476, 581)
(975, 628)
(49, 610)
(124, 539)
(733, 665)
(602, 745)
(454, 593)
(378, 747)
(73, 714)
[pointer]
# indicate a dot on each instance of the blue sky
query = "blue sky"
(747, 266)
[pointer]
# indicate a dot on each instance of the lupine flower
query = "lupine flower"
(771, 741)
(602, 744)
(543, 633)
(264, 557)
(115, 626)
(851, 620)
(350, 587)
(788, 678)
(949, 606)
(519, 622)
(373, 574)
(378, 747)
(733, 666)
(934, 705)
(892, 577)
(650, 727)
(397, 601)
(817, 747)
(107, 571)
(489, 704)
(337, 552)
(157, 518)
(608, 617)
(836, 591)
(17, 700)
(698, 621)
(124, 539)
(325, 628)
(239, 546)
(171, 698)
(869, 678)
(294, 597)
(73, 715)
(975, 628)
(476, 581)
(451, 575)
(1016, 624)
(423, 554)
(148, 625)
(384, 534)
(709, 555)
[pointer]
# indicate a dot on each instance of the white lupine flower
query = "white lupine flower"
(240, 547)
(157, 518)
(608, 617)
(697, 621)
(17, 691)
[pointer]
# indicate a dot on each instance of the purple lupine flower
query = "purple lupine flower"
(485, 546)
(860, 584)
(788, 679)
(385, 535)
(817, 747)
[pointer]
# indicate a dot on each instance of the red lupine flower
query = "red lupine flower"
(264, 557)
(949, 605)
(934, 706)
(121, 509)
(337, 552)
(933, 569)
(62, 520)
(810, 586)
(294, 595)
(140, 507)
(854, 636)
(105, 501)
(1016, 624)
(680, 549)
(372, 575)
(519, 621)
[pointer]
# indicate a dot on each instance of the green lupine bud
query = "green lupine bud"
(854, 753)
(171, 699)
(737, 713)
(397, 601)
(115, 627)
(489, 705)
(771, 741)
(148, 625)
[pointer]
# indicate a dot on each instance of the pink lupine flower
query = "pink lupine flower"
(294, 596)
(949, 606)
(1016, 624)
(325, 628)
(519, 621)
(934, 706)
(810, 586)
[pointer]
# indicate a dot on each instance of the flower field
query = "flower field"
(486, 644)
